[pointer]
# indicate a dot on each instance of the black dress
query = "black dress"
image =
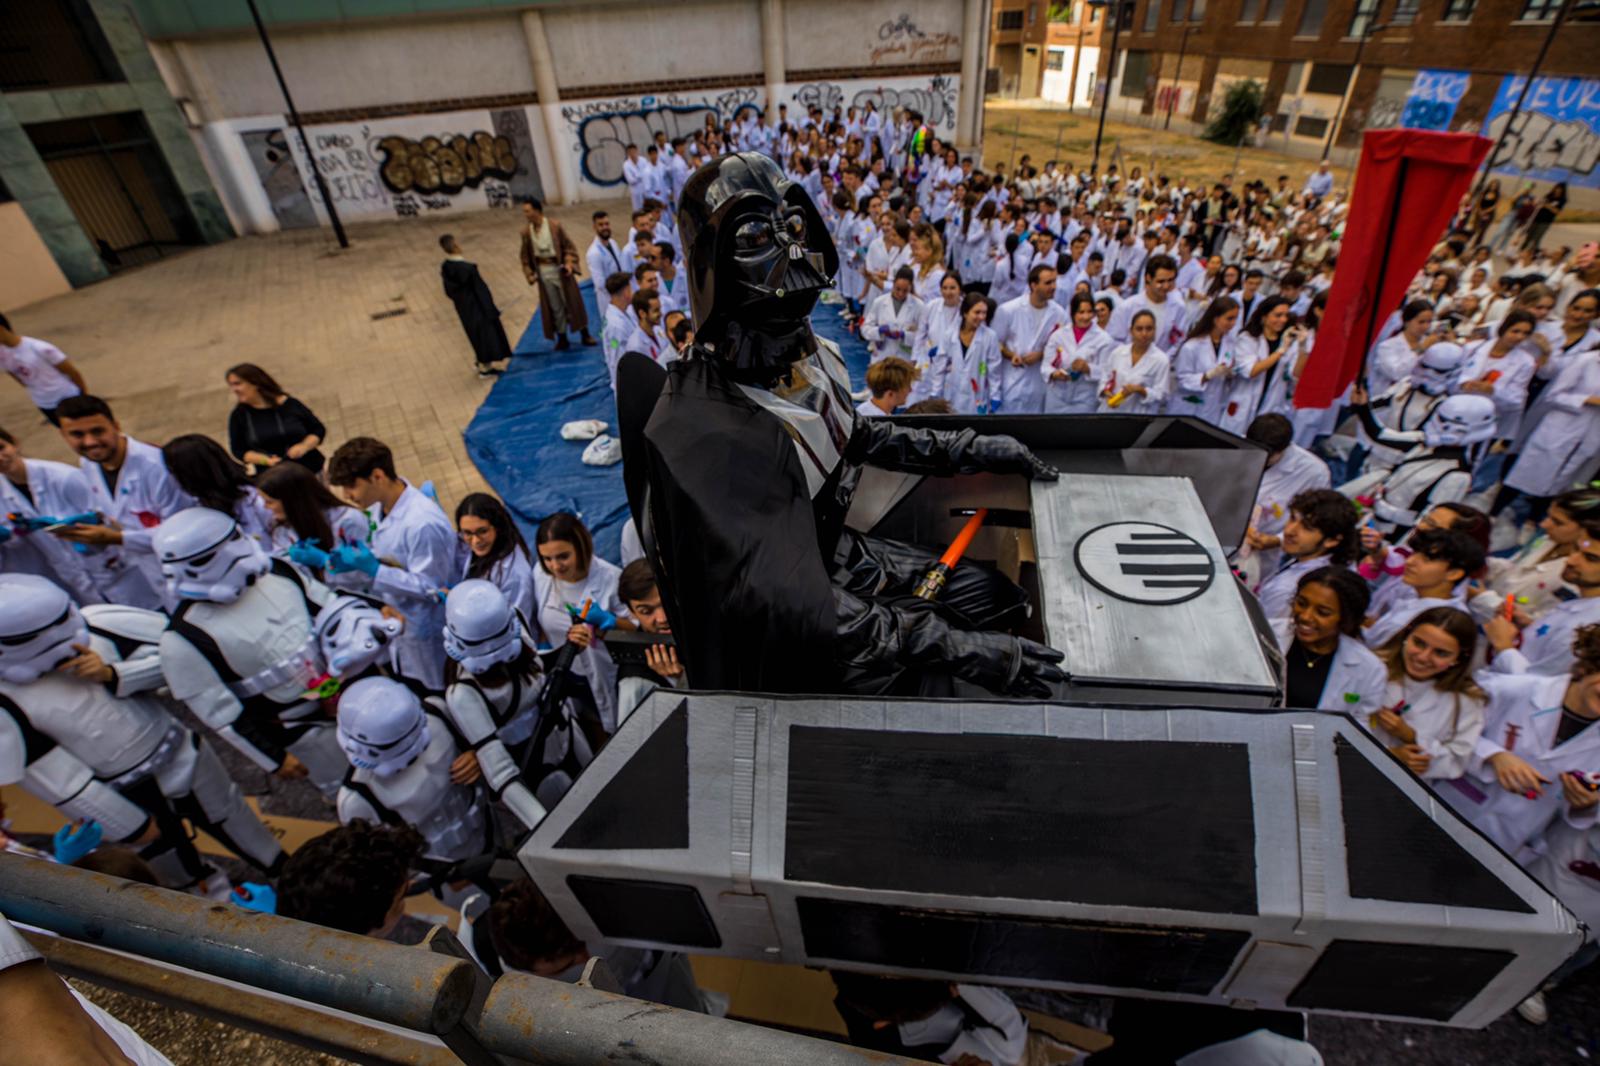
(274, 430)
(476, 309)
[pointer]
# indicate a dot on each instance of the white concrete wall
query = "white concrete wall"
(827, 34)
(935, 96)
(618, 45)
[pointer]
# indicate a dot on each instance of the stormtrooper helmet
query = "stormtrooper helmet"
(205, 556)
(480, 626)
(759, 255)
(382, 726)
(1460, 420)
(38, 627)
(1435, 372)
(353, 634)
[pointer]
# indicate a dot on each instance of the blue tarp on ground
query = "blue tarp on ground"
(515, 438)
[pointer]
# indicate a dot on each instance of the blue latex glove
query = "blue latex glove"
(348, 558)
(598, 617)
(75, 840)
(5, 534)
(307, 553)
(428, 490)
(255, 896)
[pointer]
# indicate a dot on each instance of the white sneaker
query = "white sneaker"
(1533, 1009)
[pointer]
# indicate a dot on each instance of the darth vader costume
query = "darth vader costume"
(742, 465)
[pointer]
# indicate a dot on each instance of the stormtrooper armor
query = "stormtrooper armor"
(248, 664)
(206, 556)
(494, 698)
(112, 752)
(1407, 407)
(353, 635)
(400, 759)
(1437, 472)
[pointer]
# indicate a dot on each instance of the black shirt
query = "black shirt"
(274, 430)
(1308, 675)
(1571, 725)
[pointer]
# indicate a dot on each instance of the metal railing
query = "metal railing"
(519, 1017)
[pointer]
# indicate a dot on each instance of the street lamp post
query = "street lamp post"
(1114, 8)
(1177, 75)
(1355, 72)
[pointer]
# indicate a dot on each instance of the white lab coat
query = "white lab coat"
(1277, 589)
(1564, 442)
(1569, 865)
(349, 526)
(1244, 394)
(604, 258)
(653, 343)
(1356, 680)
(852, 235)
(1079, 394)
(1547, 643)
(1023, 328)
(614, 338)
(1171, 321)
(1532, 575)
(1398, 612)
(1194, 395)
(880, 260)
(892, 330)
(146, 494)
(420, 554)
(1523, 715)
(974, 252)
(550, 605)
(636, 172)
(58, 491)
(926, 286)
(512, 575)
(1296, 472)
(1510, 393)
(1447, 724)
(1153, 371)
(931, 354)
(970, 383)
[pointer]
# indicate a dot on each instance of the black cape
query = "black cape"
(476, 309)
(761, 617)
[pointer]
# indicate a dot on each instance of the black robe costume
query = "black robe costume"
(476, 309)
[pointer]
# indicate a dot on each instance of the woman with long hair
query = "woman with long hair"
(268, 426)
(1326, 665)
(496, 551)
(1074, 361)
(570, 580)
(1261, 384)
(930, 353)
(1204, 361)
(304, 509)
(202, 469)
(927, 262)
(975, 260)
(1432, 712)
(1136, 378)
(1501, 368)
(1394, 357)
(973, 351)
(1228, 282)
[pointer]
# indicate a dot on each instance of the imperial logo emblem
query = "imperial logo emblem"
(1143, 562)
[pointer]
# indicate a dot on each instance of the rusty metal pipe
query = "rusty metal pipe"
(377, 979)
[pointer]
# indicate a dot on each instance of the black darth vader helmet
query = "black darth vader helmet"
(758, 256)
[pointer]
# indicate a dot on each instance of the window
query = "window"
(1405, 12)
(1311, 126)
(53, 44)
(1055, 59)
(1134, 73)
(1152, 11)
(1329, 79)
(1180, 10)
(1033, 12)
(1539, 10)
(1458, 10)
(1311, 18)
(1365, 14)
(1124, 13)
(1274, 11)
(1197, 10)
(1295, 79)
(1011, 20)
(1249, 10)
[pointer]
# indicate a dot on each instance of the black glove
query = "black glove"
(1007, 455)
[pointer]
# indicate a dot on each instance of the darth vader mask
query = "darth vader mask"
(759, 254)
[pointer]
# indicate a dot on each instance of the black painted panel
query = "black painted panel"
(646, 910)
(646, 802)
(1140, 823)
(1410, 980)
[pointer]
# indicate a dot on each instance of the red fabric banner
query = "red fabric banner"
(1408, 185)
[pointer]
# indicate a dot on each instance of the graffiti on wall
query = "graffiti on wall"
(603, 129)
(444, 164)
(934, 98)
(903, 42)
(280, 178)
(1557, 137)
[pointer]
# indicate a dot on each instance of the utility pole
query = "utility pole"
(1355, 72)
(1177, 75)
(1511, 119)
(294, 117)
(1114, 8)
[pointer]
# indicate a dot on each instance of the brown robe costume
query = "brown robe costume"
(566, 252)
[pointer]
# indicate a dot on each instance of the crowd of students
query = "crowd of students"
(1384, 545)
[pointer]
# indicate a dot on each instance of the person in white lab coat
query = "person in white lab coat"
(886, 254)
(1436, 571)
(647, 337)
(894, 319)
(604, 257)
(569, 578)
(1325, 665)
(1433, 710)
(931, 355)
(303, 510)
(1138, 373)
(1023, 326)
(413, 553)
(1204, 363)
(636, 173)
(890, 382)
(131, 489)
(618, 326)
(1319, 530)
(1157, 297)
(974, 354)
(1542, 644)
(927, 262)
(1537, 733)
(1393, 357)
(1290, 471)
(1532, 577)
(1075, 362)
(208, 474)
(33, 489)
(1563, 442)
(496, 551)
(1260, 366)
(1501, 369)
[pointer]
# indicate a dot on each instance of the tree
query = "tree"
(1241, 111)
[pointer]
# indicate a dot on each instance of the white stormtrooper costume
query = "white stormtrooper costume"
(399, 772)
(112, 752)
(240, 650)
(493, 699)
(1439, 472)
(1407, 407)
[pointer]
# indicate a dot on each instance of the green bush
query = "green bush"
(1241, 111)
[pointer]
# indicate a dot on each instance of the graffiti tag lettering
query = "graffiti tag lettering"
(605, 128)
(936, 102)
(1540, 142)
(435, 164)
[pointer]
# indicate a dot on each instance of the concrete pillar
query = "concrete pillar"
(544, 83)
(772, 59)
(969, 108)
